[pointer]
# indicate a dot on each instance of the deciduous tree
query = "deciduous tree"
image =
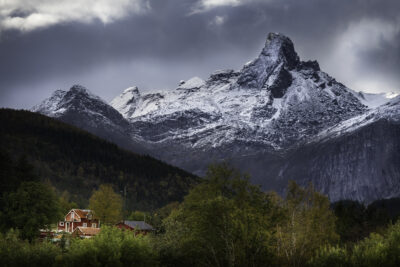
(309, 224)
(32, 207)
(225, 221)
(106, 204)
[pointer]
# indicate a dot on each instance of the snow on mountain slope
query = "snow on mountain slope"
(277, 118)
(126, 102)
(194, 82)
(275, 100)
(389, 111)
(61, 101)
(51, 106)
(374, 100)
(79, 107)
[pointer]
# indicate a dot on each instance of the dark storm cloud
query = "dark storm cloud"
(169, 42)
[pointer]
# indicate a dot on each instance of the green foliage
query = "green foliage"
(309, 225)
(7, 173)
(32, 207)
(330, 256)
(15, 252)
(370, 251)
(26, 204)
(355, 221)
(65, 204)
(76, 161)
(375, 250)
(351, 222)
(157, 217)
(138, 215)
(13, 173)
(106, 205)
(379, 250)
(225, 221)
(377, 218)
(112, 247)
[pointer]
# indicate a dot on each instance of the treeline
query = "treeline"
(75, 161)
(227, 221)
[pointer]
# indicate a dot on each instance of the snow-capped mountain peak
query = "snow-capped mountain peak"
(51, 106)
(134, 90)
(273, 101)
(278, 118)
(77, 88)
(78, 106)
(126, 102)
(77, 97)
(78, 91)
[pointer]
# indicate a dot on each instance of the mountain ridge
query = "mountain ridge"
(272, 108)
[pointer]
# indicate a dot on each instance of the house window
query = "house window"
(61, 223)
(72, 215)
(84, 225)
(94, 225)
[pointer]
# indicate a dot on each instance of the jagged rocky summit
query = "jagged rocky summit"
(79, 107)
(278, 118)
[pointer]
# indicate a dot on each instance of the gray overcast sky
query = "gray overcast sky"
(109, 45)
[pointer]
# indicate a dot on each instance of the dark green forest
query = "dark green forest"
(76, 162)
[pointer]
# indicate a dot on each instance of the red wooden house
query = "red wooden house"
(137, 226)
(78, 218)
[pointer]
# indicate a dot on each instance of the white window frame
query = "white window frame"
(94, 225)
(72, 215)
(61, 223)
(84, 224)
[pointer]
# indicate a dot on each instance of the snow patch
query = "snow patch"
(194, 82)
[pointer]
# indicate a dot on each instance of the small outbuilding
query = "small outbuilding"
(85, 232)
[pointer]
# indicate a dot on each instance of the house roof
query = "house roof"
(139, 225)
(82, 213)
(88, 230)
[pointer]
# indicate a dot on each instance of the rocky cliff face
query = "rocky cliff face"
(278, 118)
(363, 165)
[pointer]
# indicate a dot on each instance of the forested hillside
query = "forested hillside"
(75, 161)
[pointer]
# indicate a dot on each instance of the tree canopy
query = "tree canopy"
(308, 225)
(106, 205)
(32, 207)
(225, 221)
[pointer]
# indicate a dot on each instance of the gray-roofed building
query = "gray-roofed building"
(139, 226)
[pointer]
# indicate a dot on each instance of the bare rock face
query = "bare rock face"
(277, 118)
(363, 165)
(277, 56)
